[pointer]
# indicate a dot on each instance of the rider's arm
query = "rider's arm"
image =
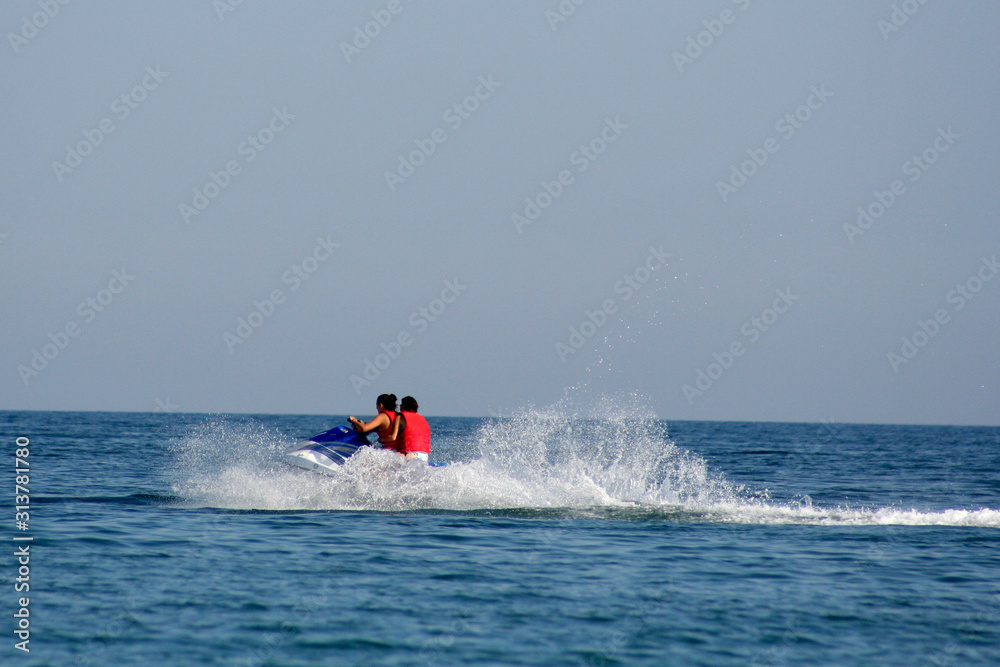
(379, 420)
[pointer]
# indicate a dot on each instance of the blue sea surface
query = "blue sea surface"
(556, 538)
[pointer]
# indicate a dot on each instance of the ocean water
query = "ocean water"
(557, 537)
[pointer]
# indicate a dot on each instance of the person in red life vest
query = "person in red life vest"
(413, 429)
(382, 424)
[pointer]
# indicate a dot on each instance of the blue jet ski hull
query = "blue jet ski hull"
(326, 451)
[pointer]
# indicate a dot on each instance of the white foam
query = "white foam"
(619, 465)
(764, 513)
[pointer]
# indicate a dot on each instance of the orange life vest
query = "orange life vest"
(416, 434)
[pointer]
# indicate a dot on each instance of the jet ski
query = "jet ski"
(327, 451)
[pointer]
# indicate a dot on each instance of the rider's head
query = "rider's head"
(386, 401)
(408, 404)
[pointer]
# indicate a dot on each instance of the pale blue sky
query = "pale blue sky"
(329, 127)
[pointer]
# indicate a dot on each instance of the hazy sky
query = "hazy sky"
(293, 207)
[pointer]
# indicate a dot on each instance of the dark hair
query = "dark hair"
(408, 404)
(387, 401)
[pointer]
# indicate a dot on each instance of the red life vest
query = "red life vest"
(395, 445)
(416, 434)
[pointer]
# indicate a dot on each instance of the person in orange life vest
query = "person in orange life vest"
(382, 423)
(416, 432)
